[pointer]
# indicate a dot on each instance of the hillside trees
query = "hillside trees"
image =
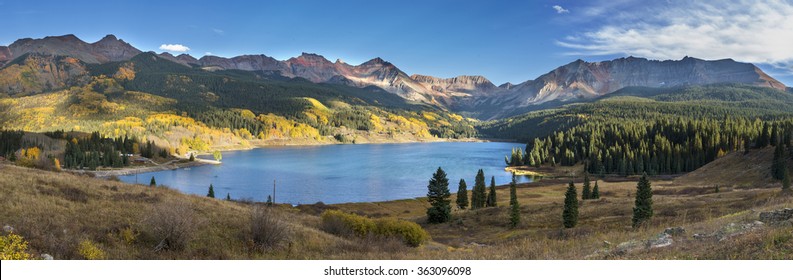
(491, 196)
(779, 164)
(478, 196)
(586, 192)
(438, 195)
(462, 195)
(643, 209)
(667, 131)
(211, 192)
(514, 205)
(570, 212)
(596, 191)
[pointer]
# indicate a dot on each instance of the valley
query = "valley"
(711, 215)
(714, 137)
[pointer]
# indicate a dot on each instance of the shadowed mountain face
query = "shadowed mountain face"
(474, 95)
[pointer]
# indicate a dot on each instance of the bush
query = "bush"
(346, 224)
(340, 223)
(267, 230)
(172, 224)
(90, 251)
(13, 247)
(128, 235)
(410, 232)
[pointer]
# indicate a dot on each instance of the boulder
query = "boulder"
(777, 217)
(661, 240)
(675, 231)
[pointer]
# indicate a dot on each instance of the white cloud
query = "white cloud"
(218, 31)
(174, 48)
(749, 31)
(560, 10)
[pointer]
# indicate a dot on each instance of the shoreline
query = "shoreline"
(176, 164)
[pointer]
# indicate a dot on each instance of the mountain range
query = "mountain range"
(472, 95)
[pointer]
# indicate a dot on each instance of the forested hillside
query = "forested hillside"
(182, 109)
(658, 131)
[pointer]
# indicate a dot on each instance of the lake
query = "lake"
(339, 173)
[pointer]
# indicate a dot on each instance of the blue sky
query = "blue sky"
(505, 41)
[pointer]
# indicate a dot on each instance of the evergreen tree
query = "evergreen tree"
(779, 164)
(643, 210)
(228, 196)
(786, 181)
(438, 196)
(192, 157)
(462, 195)
(765, 137)
(586, 192)
(596, 191)
(514, 205)
(775, 136)
(153, 182)
(211, 192)
(491, 196)
(570, 213)
(478, 197)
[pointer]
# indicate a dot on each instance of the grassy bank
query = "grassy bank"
(57, 213)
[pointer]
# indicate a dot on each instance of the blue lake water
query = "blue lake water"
(339, 173)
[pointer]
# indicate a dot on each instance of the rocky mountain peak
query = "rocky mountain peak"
(107, 49)
(65, 38)
(580, 79)
(311, 57)
(108, 38)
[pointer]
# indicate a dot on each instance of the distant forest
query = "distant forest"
(657, 131)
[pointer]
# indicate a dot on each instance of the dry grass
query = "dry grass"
(55, 212)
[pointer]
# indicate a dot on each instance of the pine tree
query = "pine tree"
(596, 191)
(491, 196)
(514, 205)
(269, 200)
(643, 210)
(192, 157)
(765, 137)
(786, 181)
(478, 193)
(228, 196)
(586, 192)
(779, 165)
(462, 195)
(153, 182)
(570, 213)
(211, 192)
(438, 196)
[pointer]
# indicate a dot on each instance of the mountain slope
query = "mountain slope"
(632, 104)
(35, 73)
(107, 49)
(472, 95)
(582, 80)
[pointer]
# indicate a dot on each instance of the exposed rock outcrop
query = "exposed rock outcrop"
(778, 217)
(107, 49)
